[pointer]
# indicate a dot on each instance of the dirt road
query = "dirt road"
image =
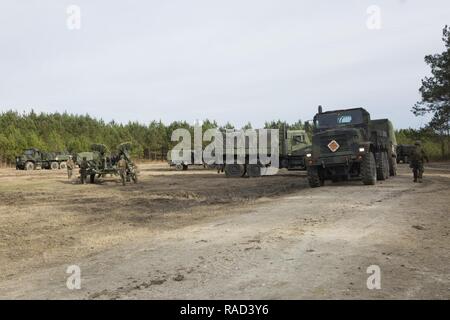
(197, 234)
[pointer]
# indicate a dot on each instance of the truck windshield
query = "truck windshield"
(338, 119)
(29, 152)
(298, 139)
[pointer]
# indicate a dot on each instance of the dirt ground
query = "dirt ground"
(197, 234)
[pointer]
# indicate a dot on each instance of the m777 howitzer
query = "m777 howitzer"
(101, 162)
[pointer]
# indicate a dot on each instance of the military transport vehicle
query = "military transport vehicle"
(348, 144)
(404, 152)
(293, 147)
(33, 158)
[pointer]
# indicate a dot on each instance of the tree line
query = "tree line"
(76, 133)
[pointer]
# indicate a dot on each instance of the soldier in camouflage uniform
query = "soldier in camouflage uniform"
(70, 166)
(418, 157)
(83, 170)
(122, 166)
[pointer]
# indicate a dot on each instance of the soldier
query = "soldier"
(416, 162)
(83, 170)
(70, 166)
(122, 166)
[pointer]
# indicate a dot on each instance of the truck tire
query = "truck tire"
(29, 166)
(254, 170)
(234, 170)
(392, 167)
(178, 167)
(63, 165)
(314, 178)
(369, 169)
(92, 178)
(381, 166)
(54, 165)
(386, 165)
(185, 167)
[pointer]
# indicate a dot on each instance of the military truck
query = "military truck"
(102, 163)
(348, 144)
(182, 164)
(404, 152)
(293, 147)
(33, 158)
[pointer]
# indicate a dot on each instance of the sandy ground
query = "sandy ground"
(197, 234)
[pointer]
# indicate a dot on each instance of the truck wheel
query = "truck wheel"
(179, 167)
(92, 178)
(234, 170)
(63, 165)
(254, 170)
(54, 165)
(314, 178)
(29, 166)
(369, 169)
(134, 177)
(381, 166)
(185, 167)
(392, 167)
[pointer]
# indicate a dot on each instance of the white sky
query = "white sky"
(234, 60)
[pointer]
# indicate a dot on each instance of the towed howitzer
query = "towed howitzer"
(101, 162)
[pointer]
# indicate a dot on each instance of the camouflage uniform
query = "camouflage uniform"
(122, 166)
(70, 166)
(418, 157)
(83, 170)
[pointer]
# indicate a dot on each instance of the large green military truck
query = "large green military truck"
(33, 158)
(102, 163)
(348, 144)
(293, 147)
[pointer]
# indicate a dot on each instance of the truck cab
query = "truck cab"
(29, 159)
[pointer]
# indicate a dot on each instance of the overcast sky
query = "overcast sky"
(234, 60)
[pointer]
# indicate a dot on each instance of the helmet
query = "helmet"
(122, 157)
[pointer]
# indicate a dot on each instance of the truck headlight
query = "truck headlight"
(308, 155)
(362, 149)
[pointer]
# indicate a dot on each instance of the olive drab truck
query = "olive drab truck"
(293, 146)
(33, 158)
(404, 152)
(348, 144)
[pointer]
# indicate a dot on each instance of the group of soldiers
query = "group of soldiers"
(122, 166)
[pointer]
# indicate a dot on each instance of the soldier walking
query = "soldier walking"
(83, 170)
(418, 157)
(122, 166)
(70, 166)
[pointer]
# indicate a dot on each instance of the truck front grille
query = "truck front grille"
(342, 140)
